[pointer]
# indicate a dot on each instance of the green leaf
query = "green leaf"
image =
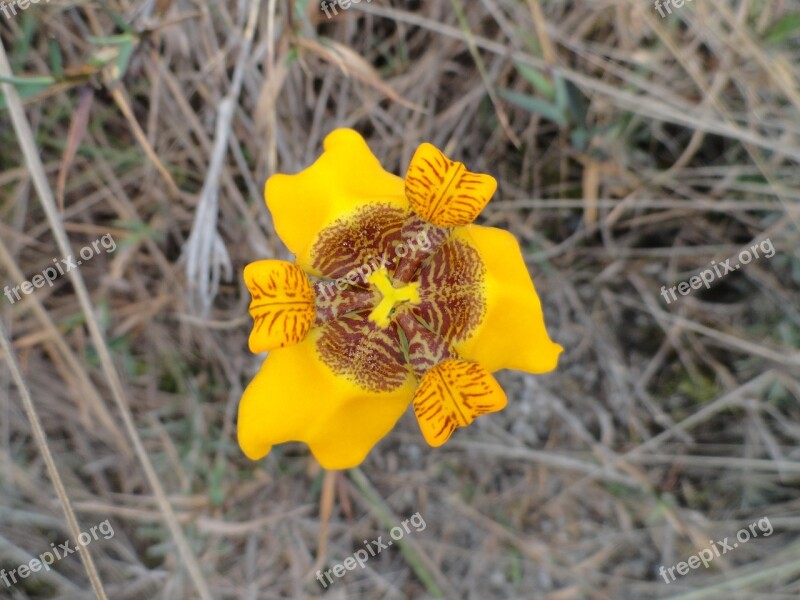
(124, 43)
(27, 87)
(112, 40)
(22, 46)
(25, 91)
(783, 29)
(216, 484)
(562, 95)
(540, 82)
(26, 81)
(119, 21)
(579, 138)
(576, 104)
(536, 105)
(124, 57)
(98, 62)
(56, 60)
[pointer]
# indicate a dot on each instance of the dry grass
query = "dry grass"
(669, 143)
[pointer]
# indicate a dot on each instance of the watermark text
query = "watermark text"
(61, 267)
(371, 548)
(330, 5)
(56, 553)
(707, 276)
(9, 9)
(716, 549)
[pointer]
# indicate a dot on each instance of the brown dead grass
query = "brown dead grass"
(664, 427)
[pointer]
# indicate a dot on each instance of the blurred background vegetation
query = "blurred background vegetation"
(631, 151)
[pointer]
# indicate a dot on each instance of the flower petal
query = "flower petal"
(283, 304)
(355, 245)
(295, 397)
(512, 334)
(444, 192)
(425, 348)
(452, 395)
(359, 350)
(346, 177)
(452, 294)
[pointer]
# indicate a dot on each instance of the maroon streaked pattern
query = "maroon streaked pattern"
(415, 229)
(282, 304)
(426, 349)
(451, 290)
(356, 348)
(452, 395)
(360, 241)
(452, 297)
(333, 303)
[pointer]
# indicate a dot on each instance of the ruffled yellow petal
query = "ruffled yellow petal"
(512, 333)
(283, 304)
(444, 192)
(452, 395)
(295, 397)
(346, 177)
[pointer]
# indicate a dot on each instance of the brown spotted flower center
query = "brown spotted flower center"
(395, 293)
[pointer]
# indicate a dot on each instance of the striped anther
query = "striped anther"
(444, 192)
(452, 395)
(282, 304)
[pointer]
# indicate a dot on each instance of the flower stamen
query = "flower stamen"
(392, 296)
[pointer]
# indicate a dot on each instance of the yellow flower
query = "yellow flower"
(395, 298)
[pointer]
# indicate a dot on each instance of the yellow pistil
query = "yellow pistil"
(392, 296)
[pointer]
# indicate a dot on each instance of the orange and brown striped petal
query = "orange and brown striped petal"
(283, 304)
(452, 395)
(444, 192)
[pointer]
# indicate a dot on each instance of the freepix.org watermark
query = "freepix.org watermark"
(716, 549)
(62, 266)
(56, 553)
(371, 548)
(328, 5)
(409, 247)
(9, 9)
(707, 277)
(668, 4)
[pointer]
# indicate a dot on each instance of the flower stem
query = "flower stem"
(409, 549)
